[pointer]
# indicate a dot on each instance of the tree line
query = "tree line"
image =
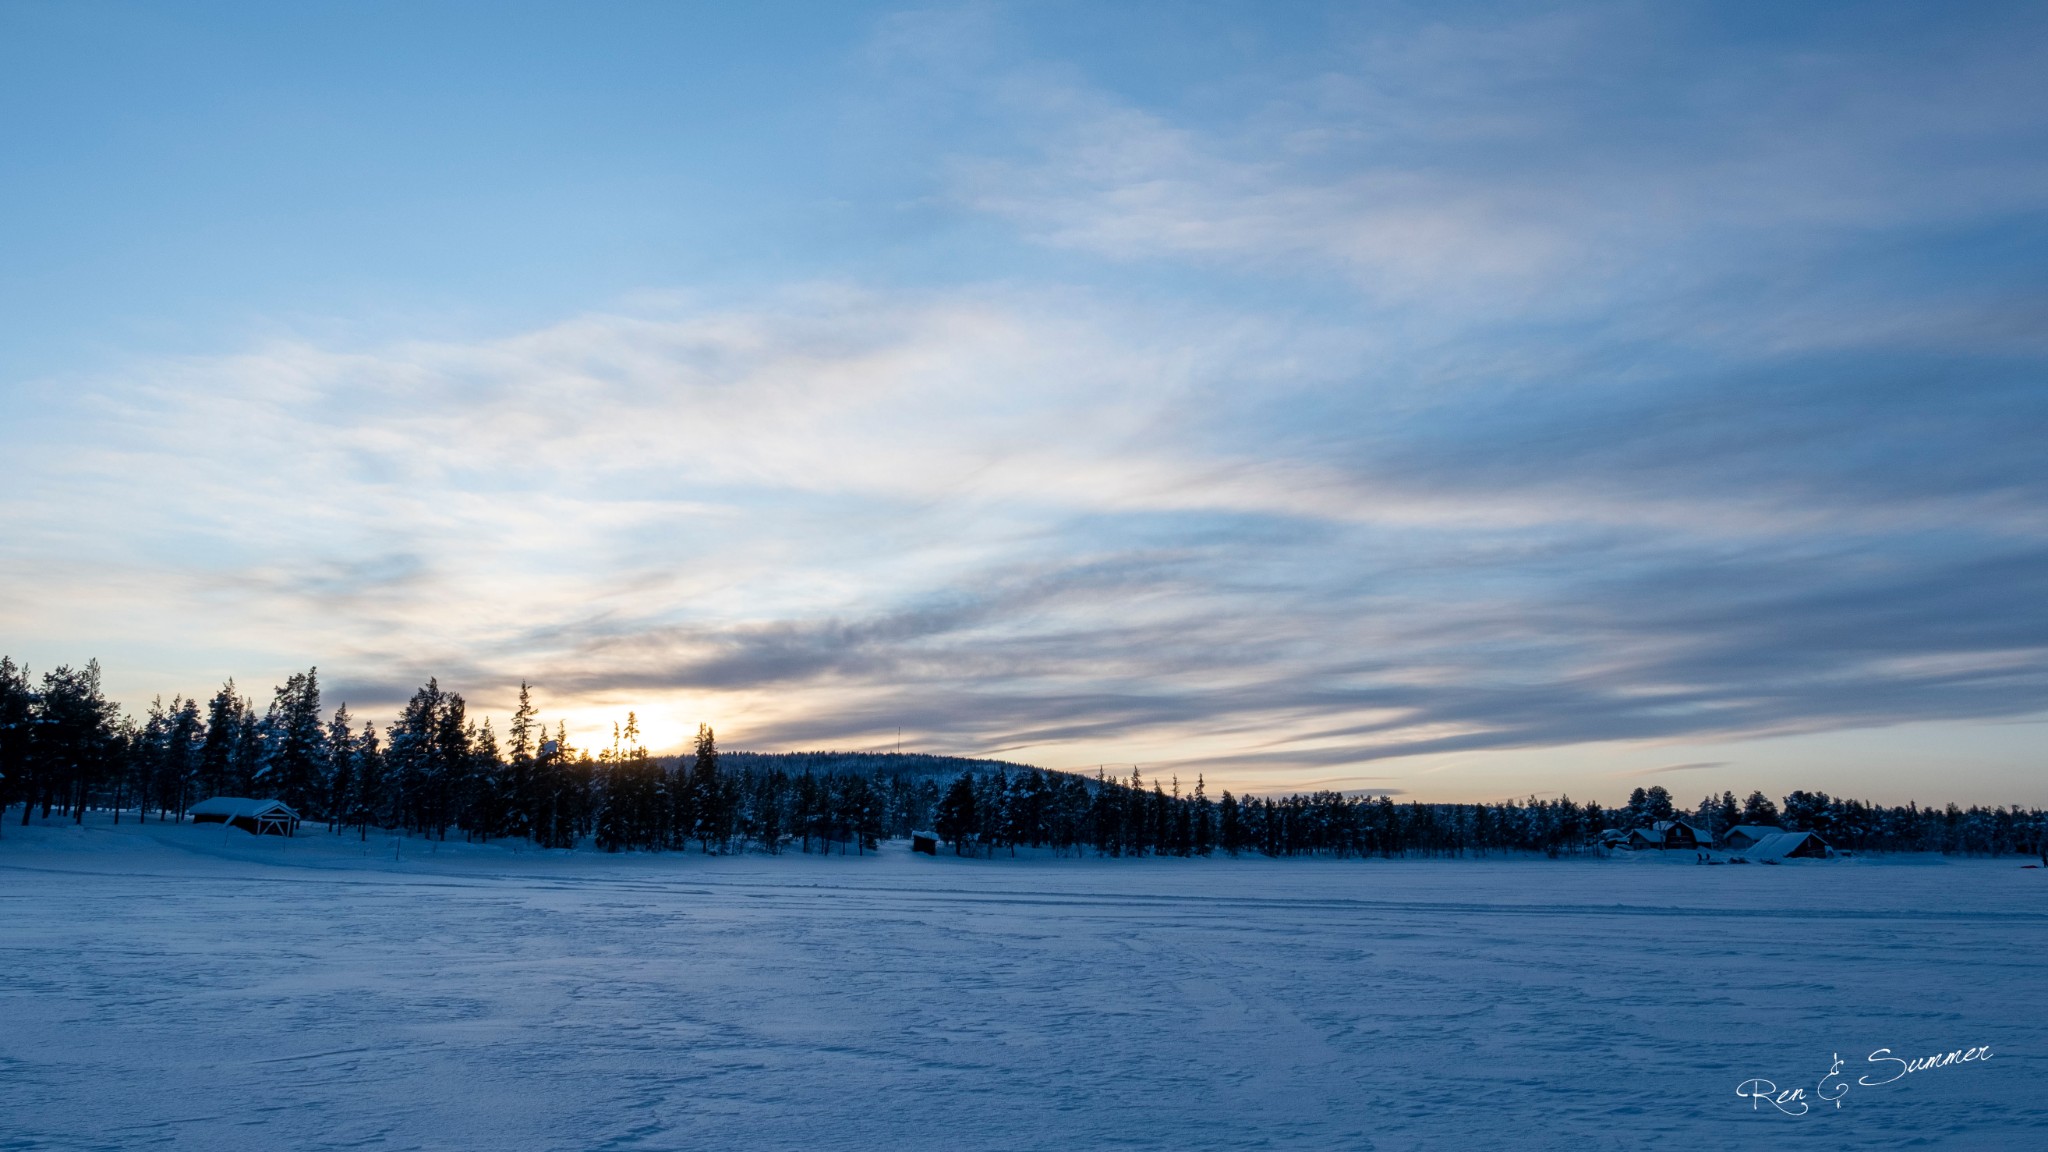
(66, 749)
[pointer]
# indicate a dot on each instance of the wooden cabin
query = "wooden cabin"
(1671, 834)
(1743, 835)
(256, 817)
(1788, 846)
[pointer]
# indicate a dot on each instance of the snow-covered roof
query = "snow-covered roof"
(236, 807)
(1779, 845)
(1756, 831)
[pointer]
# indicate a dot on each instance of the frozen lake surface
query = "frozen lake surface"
(180, 987)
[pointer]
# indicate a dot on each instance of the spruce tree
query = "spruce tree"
(182, 758)
(372, 799)
(451, 782)
(217, 752)
(295, 746)
(147, 755)
(17, 714)
(522, 799)
(957, 818)
(410, 758)
(74, 744)
(492, 783)
(708, 798)
(245, 758)
(1639, 807)
(1759, 809)
(341, 767)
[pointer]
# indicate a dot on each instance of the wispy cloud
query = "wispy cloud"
(1693, 767)
(1477, 409)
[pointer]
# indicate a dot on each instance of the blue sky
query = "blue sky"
(1457, 401)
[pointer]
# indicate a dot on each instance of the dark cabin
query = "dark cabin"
(256, 817)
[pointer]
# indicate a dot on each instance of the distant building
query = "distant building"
(1669, 834)
(256, 817)
(925, 842)
(1743, 835)
(1787, 846)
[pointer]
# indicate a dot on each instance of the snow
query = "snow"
(199, 988)
(240, 806)
(1755, 831)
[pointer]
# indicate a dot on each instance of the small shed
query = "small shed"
(256, 817)
(1743, 835)
(925, 842)
(1788, 846)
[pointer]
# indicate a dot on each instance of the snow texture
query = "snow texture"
(198, 988)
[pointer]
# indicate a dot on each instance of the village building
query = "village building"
(1787, 846)
(1743, 835)
(256, 817)
(1669, 834)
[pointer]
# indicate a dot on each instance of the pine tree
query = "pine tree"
(1230, 825)
(767, 804)
(523, 800)
(956, 816)
(493, 784)
(73, 744)
(1758, 809)
(410, 757)
(147, 754)
(245, 759)
(341, 767)
(217, 754)
(295, 746)
(806, 814)
(17, 715)
(708, 815)
(1657, 803)
(182, 754)
(452, 781)
(372, 798)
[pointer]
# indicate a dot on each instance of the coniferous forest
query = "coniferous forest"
(435, 771)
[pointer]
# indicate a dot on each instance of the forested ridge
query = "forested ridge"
(434, 770)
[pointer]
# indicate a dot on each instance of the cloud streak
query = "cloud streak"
(1503, 415)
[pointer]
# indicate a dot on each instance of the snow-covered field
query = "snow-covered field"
(183, 987)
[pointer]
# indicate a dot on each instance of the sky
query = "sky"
(1455, 401)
